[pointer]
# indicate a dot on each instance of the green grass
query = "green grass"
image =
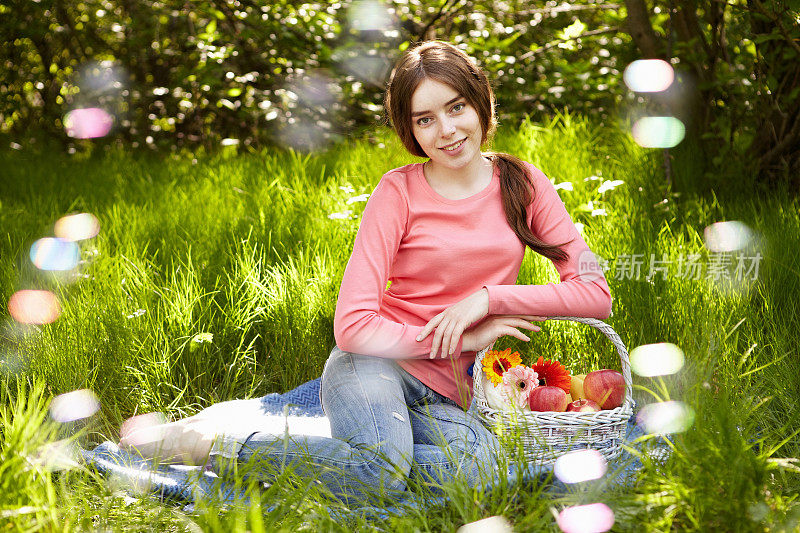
(241, 247)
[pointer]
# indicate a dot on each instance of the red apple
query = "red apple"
(548, 398)
(583, 406)
(606, 387)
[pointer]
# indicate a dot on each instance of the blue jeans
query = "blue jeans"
(386, 426)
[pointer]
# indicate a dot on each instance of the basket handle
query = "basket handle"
(604, 328)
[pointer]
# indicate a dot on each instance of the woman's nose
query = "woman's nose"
(448, 128)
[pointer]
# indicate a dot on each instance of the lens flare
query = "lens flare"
(665, 418)
(34, 307)
(735, 257)
(591, 518)
(88, 123)
(367, 15)
(55, 254)
(314, 89)
(304, 135)
(659, 359)
(56, 456)
(74, 405)
(729, 236)
(310, 99)
(77, 227)
(658, 132)
(100, 77)
(580, 465)
(649, 75)
(363, 63)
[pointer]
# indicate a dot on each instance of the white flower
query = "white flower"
(598, 212)
(347, 188)
(359, 198)
(340, 216)
(609, 185)
(592, 178)
(495, 396)
(566, 185)
(203, 337)
(138, 312)
(579, 227)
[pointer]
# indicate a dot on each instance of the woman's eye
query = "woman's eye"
(456, 108)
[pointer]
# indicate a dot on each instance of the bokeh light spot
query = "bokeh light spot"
(658, 359)
(591, 518)
(648, 75)
(144, 428)
(658, 132)
(728, 236)
(55, 254)
(74, 405)
(580, 465)
(88, 123)
(664, 418)
(34, 307)
(77, 227)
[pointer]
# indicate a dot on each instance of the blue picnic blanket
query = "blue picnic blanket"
(187, 484)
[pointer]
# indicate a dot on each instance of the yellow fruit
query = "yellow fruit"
(576, 386)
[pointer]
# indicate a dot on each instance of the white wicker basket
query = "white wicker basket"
(547, 435)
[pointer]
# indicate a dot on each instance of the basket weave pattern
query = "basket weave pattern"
(547, 435)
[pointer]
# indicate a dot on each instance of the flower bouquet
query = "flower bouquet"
(509, 384)
(548, 411)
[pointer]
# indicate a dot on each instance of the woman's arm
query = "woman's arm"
(583, 290)
(357, 325)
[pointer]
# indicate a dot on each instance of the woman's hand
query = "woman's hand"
(494, 327)
(451, 323)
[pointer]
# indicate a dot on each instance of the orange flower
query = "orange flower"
(496, 362)
(552, 373)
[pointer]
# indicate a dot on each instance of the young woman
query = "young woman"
(450, 235)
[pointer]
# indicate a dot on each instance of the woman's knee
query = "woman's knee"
(359, 375)
(469, 446)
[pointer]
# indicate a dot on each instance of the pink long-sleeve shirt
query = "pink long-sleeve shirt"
(436, 252)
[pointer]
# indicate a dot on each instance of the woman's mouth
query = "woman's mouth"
(453, 147)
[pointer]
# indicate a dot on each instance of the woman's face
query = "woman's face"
(441, 118)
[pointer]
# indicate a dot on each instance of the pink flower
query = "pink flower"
(518, 382)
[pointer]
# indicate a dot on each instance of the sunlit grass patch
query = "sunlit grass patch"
(215, 277)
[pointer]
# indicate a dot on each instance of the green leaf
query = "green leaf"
(768, 37)
(507, 42)
(574, 30)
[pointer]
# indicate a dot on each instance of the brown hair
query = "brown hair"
(445, 63)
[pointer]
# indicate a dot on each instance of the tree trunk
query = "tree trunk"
(641, 30)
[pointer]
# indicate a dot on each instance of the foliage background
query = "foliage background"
(192, 73)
